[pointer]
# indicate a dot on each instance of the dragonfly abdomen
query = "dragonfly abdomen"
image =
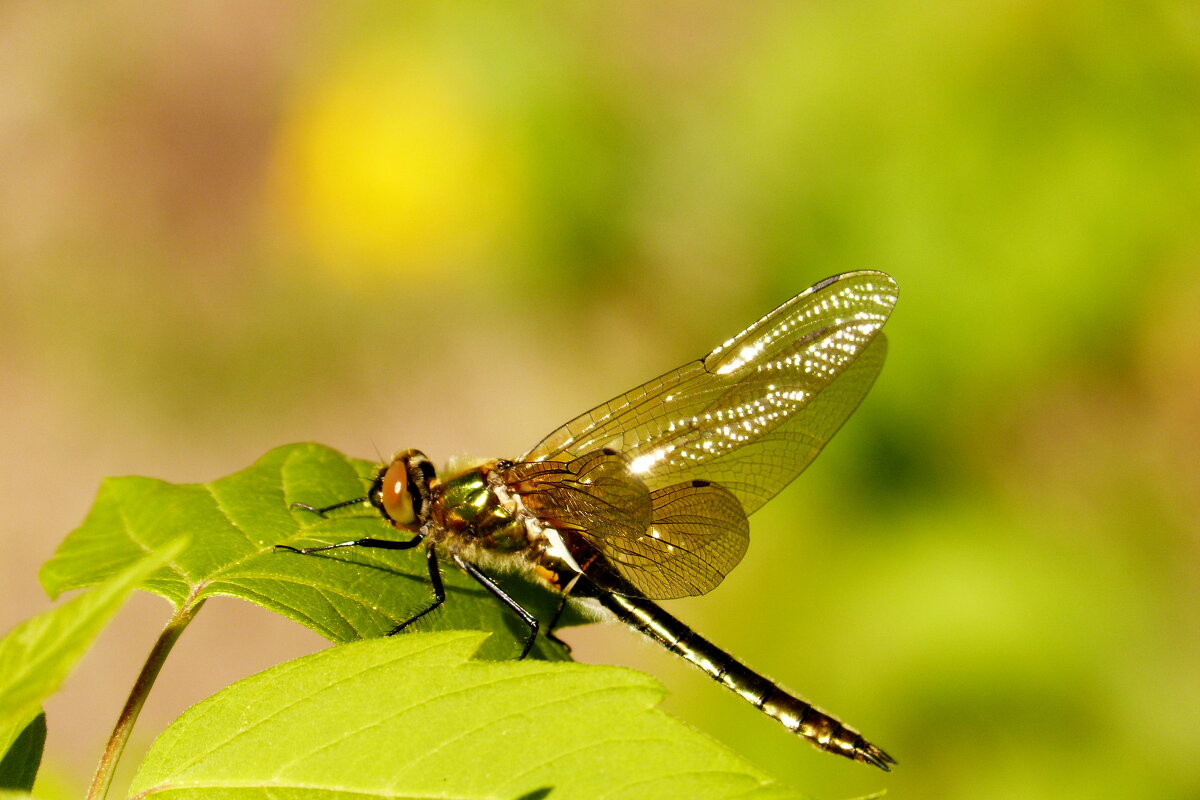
(796, 714)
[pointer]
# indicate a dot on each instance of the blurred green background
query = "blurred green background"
(227, 226)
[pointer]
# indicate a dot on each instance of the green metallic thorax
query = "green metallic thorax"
(470, 507)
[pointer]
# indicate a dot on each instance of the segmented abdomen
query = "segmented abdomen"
(796, 714)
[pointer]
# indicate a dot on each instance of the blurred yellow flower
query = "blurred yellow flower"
(389, 164)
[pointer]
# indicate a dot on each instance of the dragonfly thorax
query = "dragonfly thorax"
(470, 511)
(474, 510)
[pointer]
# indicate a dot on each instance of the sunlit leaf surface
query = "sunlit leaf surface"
(413, 716)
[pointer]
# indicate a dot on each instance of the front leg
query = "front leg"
(435, 572)
(382, 544)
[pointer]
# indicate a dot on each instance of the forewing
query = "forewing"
(698, 533)
(775, 435)
(754, 412)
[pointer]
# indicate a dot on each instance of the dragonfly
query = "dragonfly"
(646, 497)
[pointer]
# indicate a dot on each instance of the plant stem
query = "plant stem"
(137, 698)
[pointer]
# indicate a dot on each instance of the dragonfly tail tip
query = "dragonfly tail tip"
(876, 757)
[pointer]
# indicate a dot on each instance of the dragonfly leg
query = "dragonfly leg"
(562, 606)
(320, 512)
(439, 591)
(383, 544)
(550, 634)
(503, 597)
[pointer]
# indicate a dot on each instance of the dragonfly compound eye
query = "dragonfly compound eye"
(394, 493)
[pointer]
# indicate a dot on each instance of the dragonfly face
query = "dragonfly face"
(646, 497)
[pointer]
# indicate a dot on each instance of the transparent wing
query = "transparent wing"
(698, 533)
(753, 413)
(678, 541)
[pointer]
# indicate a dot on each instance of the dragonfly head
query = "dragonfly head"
(401, 490)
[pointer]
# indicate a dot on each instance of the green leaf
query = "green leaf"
(413, 716)
(236, 521)
(19, 766)
(38, 654)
